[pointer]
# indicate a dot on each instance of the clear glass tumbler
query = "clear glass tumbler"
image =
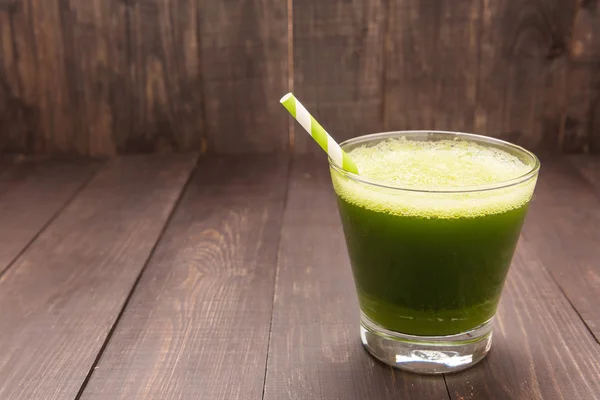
(429, 264)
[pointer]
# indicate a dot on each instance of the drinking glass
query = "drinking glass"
(429, 263)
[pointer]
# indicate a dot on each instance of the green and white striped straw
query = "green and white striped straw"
(317, 132)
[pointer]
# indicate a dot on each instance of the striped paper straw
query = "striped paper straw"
(317, 132)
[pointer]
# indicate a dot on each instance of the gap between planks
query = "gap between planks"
(105, 229)
(137, 281)
(283, 209)
(205, 298)
(42, 174)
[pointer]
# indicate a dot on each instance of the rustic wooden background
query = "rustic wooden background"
(102, 77)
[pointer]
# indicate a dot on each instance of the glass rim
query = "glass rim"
(440, 189)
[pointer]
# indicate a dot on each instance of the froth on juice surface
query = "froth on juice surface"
(430, 166)
(445, 163)
(429, 262)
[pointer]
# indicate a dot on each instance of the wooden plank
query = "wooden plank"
(541, 349)
(19, 99)
(96, 33)
(315, 350)
(493, 67)
(166, 77)
(198, 324)
(45, 58)
(53, 58)
(62, 75)
(522, 70)
(245, 72)
(61, 298)
(99, 77)
(432, 64)
(339, 66)
(563, 229)
(582, 127)
(31, 195)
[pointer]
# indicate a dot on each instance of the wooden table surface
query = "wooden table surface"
(186, 277)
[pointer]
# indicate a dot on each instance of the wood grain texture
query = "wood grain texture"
(62, 74)
(493, 67)
(198, 324)
(338, 66)
(28, 75)
(522, 70)
(582, 126)
(100, 77)
(563, 230)
(96, 33)
(52, 58)
(31, 195)
(15, 116)
(315, 350)
(541, 349)
(245, 72)
(166, 78)
(103, 77)
(432, 64)
(63, 295)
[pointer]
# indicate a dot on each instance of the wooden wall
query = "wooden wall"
(101, 77)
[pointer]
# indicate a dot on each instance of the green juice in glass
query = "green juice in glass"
(432, 233)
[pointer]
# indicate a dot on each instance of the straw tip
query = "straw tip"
(286, 97)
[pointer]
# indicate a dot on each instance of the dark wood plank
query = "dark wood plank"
(245, 72)
(95, 32)
(582, 126)
(315, 350)
(198, 324)
(53, 57)
(62, 71)
(563, 229)
(166, 77)
(31, 195)
(105, 76)
(522, 70)
(99, 77)
(541, 349)
(497, 68)
(63, 295)
(20, 111)
(432, 64)
(13, 124)
(338, 66)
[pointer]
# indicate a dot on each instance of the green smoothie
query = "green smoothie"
(429, 250)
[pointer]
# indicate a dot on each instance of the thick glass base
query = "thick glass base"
(426, 354)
